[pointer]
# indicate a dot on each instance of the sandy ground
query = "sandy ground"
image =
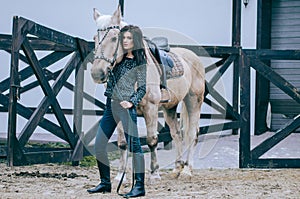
(216, 175)
(61, 181)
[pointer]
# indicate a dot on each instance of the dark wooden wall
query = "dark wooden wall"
(262, 84)
(285, 34)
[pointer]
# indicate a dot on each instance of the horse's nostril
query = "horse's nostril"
(101, 75)
(98, 75)
(102, 78)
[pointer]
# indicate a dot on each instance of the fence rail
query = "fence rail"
(30, 37)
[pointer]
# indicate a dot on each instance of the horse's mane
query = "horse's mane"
(104, 21)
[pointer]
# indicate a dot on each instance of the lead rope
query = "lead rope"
(124, 172)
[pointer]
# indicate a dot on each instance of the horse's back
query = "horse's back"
(193, 61)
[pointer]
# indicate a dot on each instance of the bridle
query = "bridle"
(101, 56)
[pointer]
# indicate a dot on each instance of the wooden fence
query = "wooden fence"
(30, 37)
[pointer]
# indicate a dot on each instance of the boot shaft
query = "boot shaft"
(138, 163)
(104, 171)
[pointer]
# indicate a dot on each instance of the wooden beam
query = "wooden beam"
(28, 72)
(87, 96)
(275, 163)
(5, 42)
(276, 79)
(215, 65)
(244, 140)
(42, 108)
(42, 157)
(275, 139)
(236, 42)
(13, 94)
(221, 101)
(49, 34)
(215, 106)
(27, 112)
(222, 69)
(39, 44)
(210, 51)
(39, 73)
(285, 106)
(219, 127)
(78, 102)
(268, 54)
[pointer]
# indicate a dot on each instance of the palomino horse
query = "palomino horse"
(188, 89)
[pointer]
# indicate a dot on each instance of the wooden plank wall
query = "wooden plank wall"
(285, 34)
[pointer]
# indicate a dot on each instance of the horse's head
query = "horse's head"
(107, 46)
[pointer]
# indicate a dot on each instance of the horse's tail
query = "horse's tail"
(184, 119)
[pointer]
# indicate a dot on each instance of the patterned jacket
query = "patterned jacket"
(122, 79)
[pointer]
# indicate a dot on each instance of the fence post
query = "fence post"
(236, 42)
(13, 92)
(244, 140)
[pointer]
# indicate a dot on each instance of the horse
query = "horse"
(188, 89)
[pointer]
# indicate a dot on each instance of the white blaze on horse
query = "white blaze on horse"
(188, 89)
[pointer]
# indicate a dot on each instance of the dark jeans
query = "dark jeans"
(114, 113)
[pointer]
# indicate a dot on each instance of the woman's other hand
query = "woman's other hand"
(126, 104)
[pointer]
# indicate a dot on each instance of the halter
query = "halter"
(101, 56)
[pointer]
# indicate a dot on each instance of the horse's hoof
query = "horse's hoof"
(154, 178)
(186, 173)
(175, 173)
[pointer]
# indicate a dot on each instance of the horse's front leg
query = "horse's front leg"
(122, 144)
(150, 112)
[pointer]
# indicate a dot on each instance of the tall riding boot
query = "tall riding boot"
(165, 95)
(166, 65)
(105, 184)
(163, 77)
(139, 176)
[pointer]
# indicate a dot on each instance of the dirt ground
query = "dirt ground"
(61, 181)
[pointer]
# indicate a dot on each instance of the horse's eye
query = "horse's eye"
(114, 39)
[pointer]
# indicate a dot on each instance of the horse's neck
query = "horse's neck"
(153, 71)
(150, 58)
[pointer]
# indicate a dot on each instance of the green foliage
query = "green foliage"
(114, 155)
(47, 145)
(88, 161)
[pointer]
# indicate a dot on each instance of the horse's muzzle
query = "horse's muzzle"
(98, 76)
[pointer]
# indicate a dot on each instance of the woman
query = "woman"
(121, 103)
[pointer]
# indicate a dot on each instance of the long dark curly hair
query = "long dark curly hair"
(138, 48)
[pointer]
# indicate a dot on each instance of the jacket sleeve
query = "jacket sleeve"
(141, 85)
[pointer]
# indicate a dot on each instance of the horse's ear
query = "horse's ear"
(96, 14)
(116, 18)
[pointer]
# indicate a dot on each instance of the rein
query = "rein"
(101, 56)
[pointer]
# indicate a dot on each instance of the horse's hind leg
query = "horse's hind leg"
(192, 105)
(172, 121)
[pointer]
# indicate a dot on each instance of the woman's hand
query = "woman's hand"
(126, 104)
